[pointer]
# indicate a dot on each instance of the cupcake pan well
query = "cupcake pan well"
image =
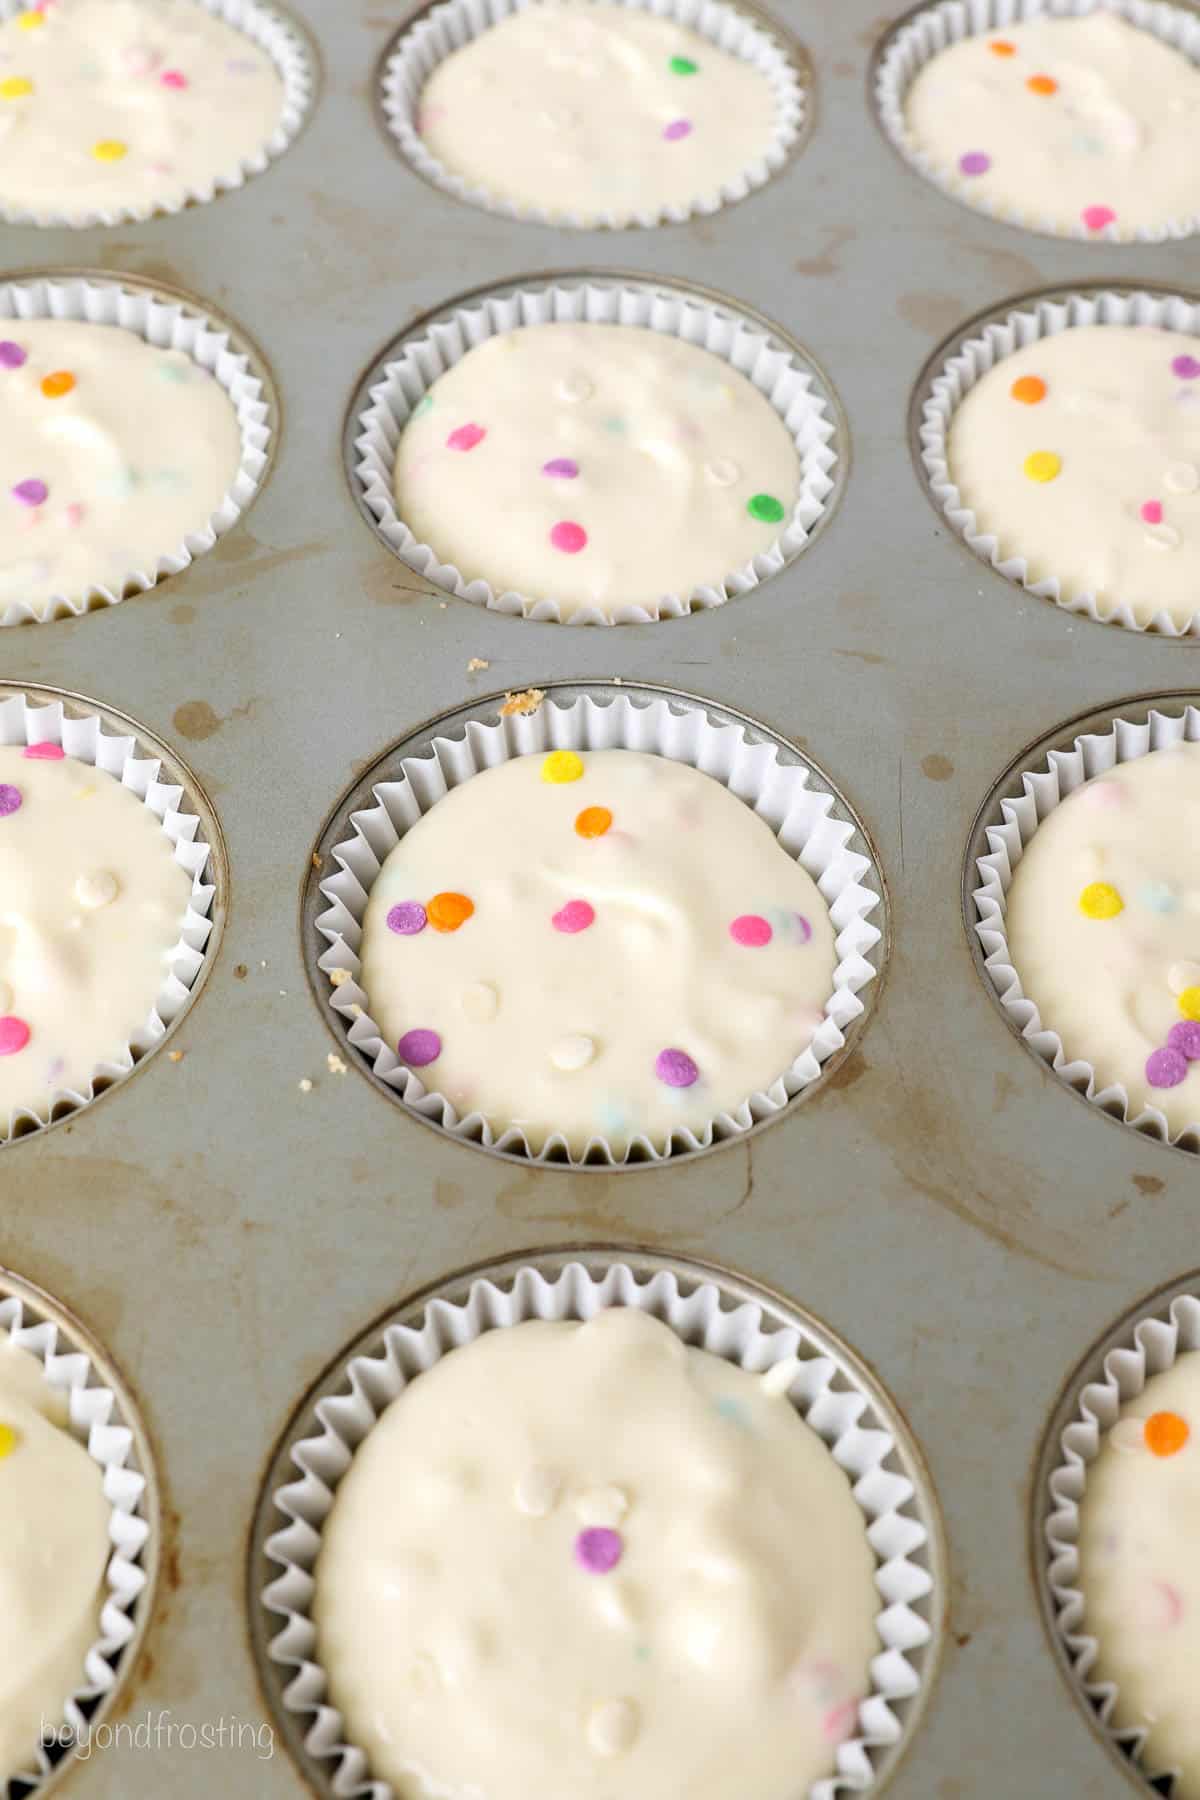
(939, 1199)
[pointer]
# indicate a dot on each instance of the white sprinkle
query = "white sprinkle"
(1182, 478)
(723, 472)
(334, 1064)
(1163, 537)
(572, 1053)
(604, 1506)
(612, 1727)
(536, 1492)
(1128, 1434)
(779, 1378)
(1182, 975)
(575, 388)
(96, 890)
(480, 1002)
(305, 1086)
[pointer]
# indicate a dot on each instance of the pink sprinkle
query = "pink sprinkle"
(74, 513)
(14, 1035)
(1152, 512)
(31, 492)
(676, 1069)
(1166, 1068)
(419, 1048)
(466, 437)
(840, 1722)
(562, 466)
(46, 752)
(678, 128)
(752, 930)
(575, 916)
(1097, 217)
(975, 162)
(11, 355)
(568, 536)
(598, 1550)
(173, 79)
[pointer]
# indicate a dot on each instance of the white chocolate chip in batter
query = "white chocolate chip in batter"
(1163, 537)
(1182, 478)
(575, 388)
(480, 1002)
(1128, 1434)
(780, 1376)
(604, 1506)
(536, 1492)
(100, 888)
(612, 1727)
(722, 471)
(573, 1053)
(1183, 975)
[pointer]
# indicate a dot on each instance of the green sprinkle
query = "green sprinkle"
(765, 507)
(423, 406)
(683, 65)
(616, 426)
(173, 371)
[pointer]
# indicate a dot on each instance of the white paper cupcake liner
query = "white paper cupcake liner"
(1149, 1348)
(96, 1421)
(845, 1416)
(1041, 317)
(169, 324)
(801, 818)
(448, 27)
(89, 741)
(776, 370)
(1043, 788)
(273, 32)
(925, 34)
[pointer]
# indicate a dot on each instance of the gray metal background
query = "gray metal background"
(962, 1221)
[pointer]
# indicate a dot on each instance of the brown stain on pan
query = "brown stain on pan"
(1148, 1185)
(826, 262)
(937, 767)
(196, 719)
(935, 313)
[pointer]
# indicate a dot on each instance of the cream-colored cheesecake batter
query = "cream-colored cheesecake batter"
(596, 112)
(602, 945)
(1139, 1570)
(585, 1560)
(115, 105)
(1104, 929)
(113, 452)
(92, 903)
(54, 1548)
(1081, 453)
(595, 465)
(1070, 124)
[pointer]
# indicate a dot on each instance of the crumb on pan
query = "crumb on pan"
(316, 860)
(337, 976)
(174, 1055)
(305, 1086)
(476, 663)
(524, 703)
(334, 1063)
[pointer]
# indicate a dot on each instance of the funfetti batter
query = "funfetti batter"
(113, 451)
(92, 903)
(596, 112)
(1139, 1570)
(1104, 929)
(54, 1547)
(595, 465)
(603, 945)
(1070, 124)
(587, 1561)
(115, 105)
(1081, 454)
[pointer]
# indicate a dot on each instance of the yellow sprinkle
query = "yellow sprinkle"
(1100, 900)
(1189, 1003)
(8, 1441)
(1042, 465)
(29, 21)
(15, 88)
(109, 150)
(562, 765)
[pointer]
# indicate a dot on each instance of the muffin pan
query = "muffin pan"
(229, 1218)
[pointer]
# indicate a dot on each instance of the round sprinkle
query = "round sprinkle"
(975, 162)
(446, 912)
(479, 1002)
(676, 1069)
(15, 88)
(563, 467)
(29, 21)
(1182, 975)
(31, 492)
(575, 388)
(612, 1727)
(840, 1722)
(1181, 478)
(577, 1051)
(682, 65)
(1042, 84)
(8, 1441)
(1189, 1003)
(536, 1492)
(1166, 1068)
(1100, 900)
(1186, 367)
(1152, 512)
(765, 507)
(722, 472)
(1166, 1433)
(1157, 897)
(1163, 537)
(598, 1550)
(1030, 390)
(11, 355)
(678, 128)
(10, 799)
(465, 437)
(803, 927)
(560, 766)
(44, 752)
(1097, 217)
(752, 930)
(568, 536)
(419, 1048)
(1185, 1037)
(56, 385)
(593, 822)
(407, 918)
(1002, 47)
(96, 890)
(110, 150)
(575, 916)
(173, 78)
(1042, 465)
(14, 1034)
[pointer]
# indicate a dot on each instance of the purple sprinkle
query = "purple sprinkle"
(407, 919)
(598, 1550)
(417, 1048)
(31, 492)
(1185, 1037)
(678, 128)
(676, 1068)
(803, 927)
(1186, 367)
(11, 355)
(1166, 1068)
(561, 466)
(10, 801)
(975, 162)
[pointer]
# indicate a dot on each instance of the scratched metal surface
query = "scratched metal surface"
(963, 1222)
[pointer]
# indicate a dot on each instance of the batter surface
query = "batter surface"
(1081, 453)
(92, 902)
(113, 451)
(585, 1560)
(1104, 929)
(1139, 1570)
(598, 112)
(1071, 124)
(599, 945)
(108, 105)
(595, 465)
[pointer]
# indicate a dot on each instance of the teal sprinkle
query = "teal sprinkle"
(734, 1411)
(423, 406)
(121, 483)
(616, 426)
(172, 480)
(1158, 897)
(642, 1653)
(173, 371)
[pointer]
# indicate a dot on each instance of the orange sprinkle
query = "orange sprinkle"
(1002, 47)
(61, 382)
(593, 821)
(1042, 84)
(446, 912)
(1028, 389)
(1166, 1433)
